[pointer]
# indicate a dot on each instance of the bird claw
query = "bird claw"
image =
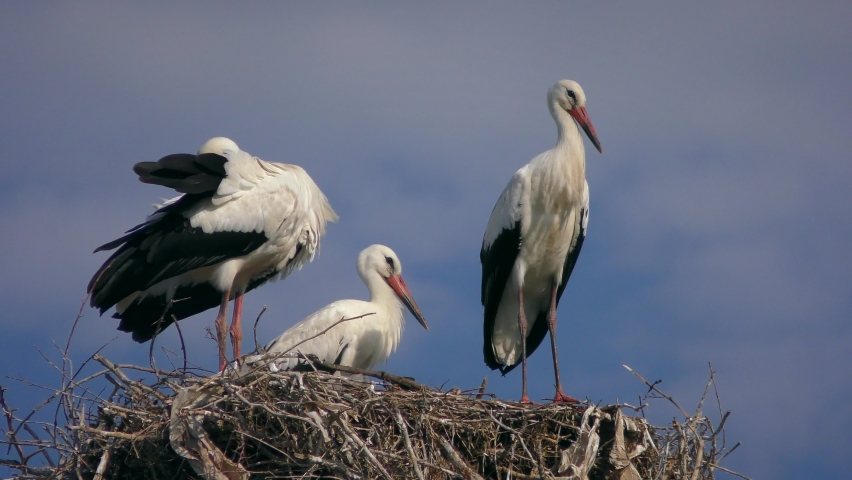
(562, 398)
(525, 399)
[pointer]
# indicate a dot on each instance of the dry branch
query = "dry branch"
(317, 425)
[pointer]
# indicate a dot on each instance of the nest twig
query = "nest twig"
(318, 425)
(333, 422)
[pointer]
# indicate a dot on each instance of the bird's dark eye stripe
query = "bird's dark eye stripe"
(571, 93)
(390, 261)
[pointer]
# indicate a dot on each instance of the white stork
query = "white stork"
(533, 239)
(363, 342)
(240, 223)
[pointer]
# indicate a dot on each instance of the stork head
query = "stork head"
(218, 145)
(381, 260)
(567, 95)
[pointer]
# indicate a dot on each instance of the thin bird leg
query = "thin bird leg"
(522, 326)
(551, 325)
(237, 326)
(221, 325)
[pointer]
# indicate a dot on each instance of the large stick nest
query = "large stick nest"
(318, 425)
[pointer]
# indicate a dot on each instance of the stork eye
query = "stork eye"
(390, 262)
(571, 94)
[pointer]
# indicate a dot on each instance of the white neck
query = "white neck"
(569, 153)
(382, 295)
(390, 310)
(379, 289)
(568, 135)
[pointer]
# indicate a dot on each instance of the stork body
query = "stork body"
(368, 339)
(240, 223)
(533, 239)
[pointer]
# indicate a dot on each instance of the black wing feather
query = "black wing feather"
(167, 245)
(340, 356)
(166, 248)
(143, 316)
(497, 263)
(211, 163)
(184, 172)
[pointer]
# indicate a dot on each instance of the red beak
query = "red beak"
(582, 118)
(401, 289)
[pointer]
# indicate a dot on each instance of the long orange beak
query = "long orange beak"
(401, 289)
(582, 118)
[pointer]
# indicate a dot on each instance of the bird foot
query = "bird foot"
(562, 398)
(525, 399)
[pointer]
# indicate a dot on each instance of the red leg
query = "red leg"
(522, 326)
(237, 326)
(220, 330)
(551, 325)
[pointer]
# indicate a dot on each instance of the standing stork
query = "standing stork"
(373, 332)
(533, 240)
(240, 223)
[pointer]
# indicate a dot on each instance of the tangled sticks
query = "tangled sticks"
(317, 425)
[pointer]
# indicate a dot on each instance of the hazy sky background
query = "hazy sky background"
(721, 209)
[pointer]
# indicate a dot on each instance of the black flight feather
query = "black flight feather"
(166, 245)
(143, 316)
(184, 172)
(497, 263)
(165, 248)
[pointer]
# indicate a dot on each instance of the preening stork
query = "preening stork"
(533, 239)
(365, 341)
(240, 223)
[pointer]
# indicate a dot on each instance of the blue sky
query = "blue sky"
(721, 210)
